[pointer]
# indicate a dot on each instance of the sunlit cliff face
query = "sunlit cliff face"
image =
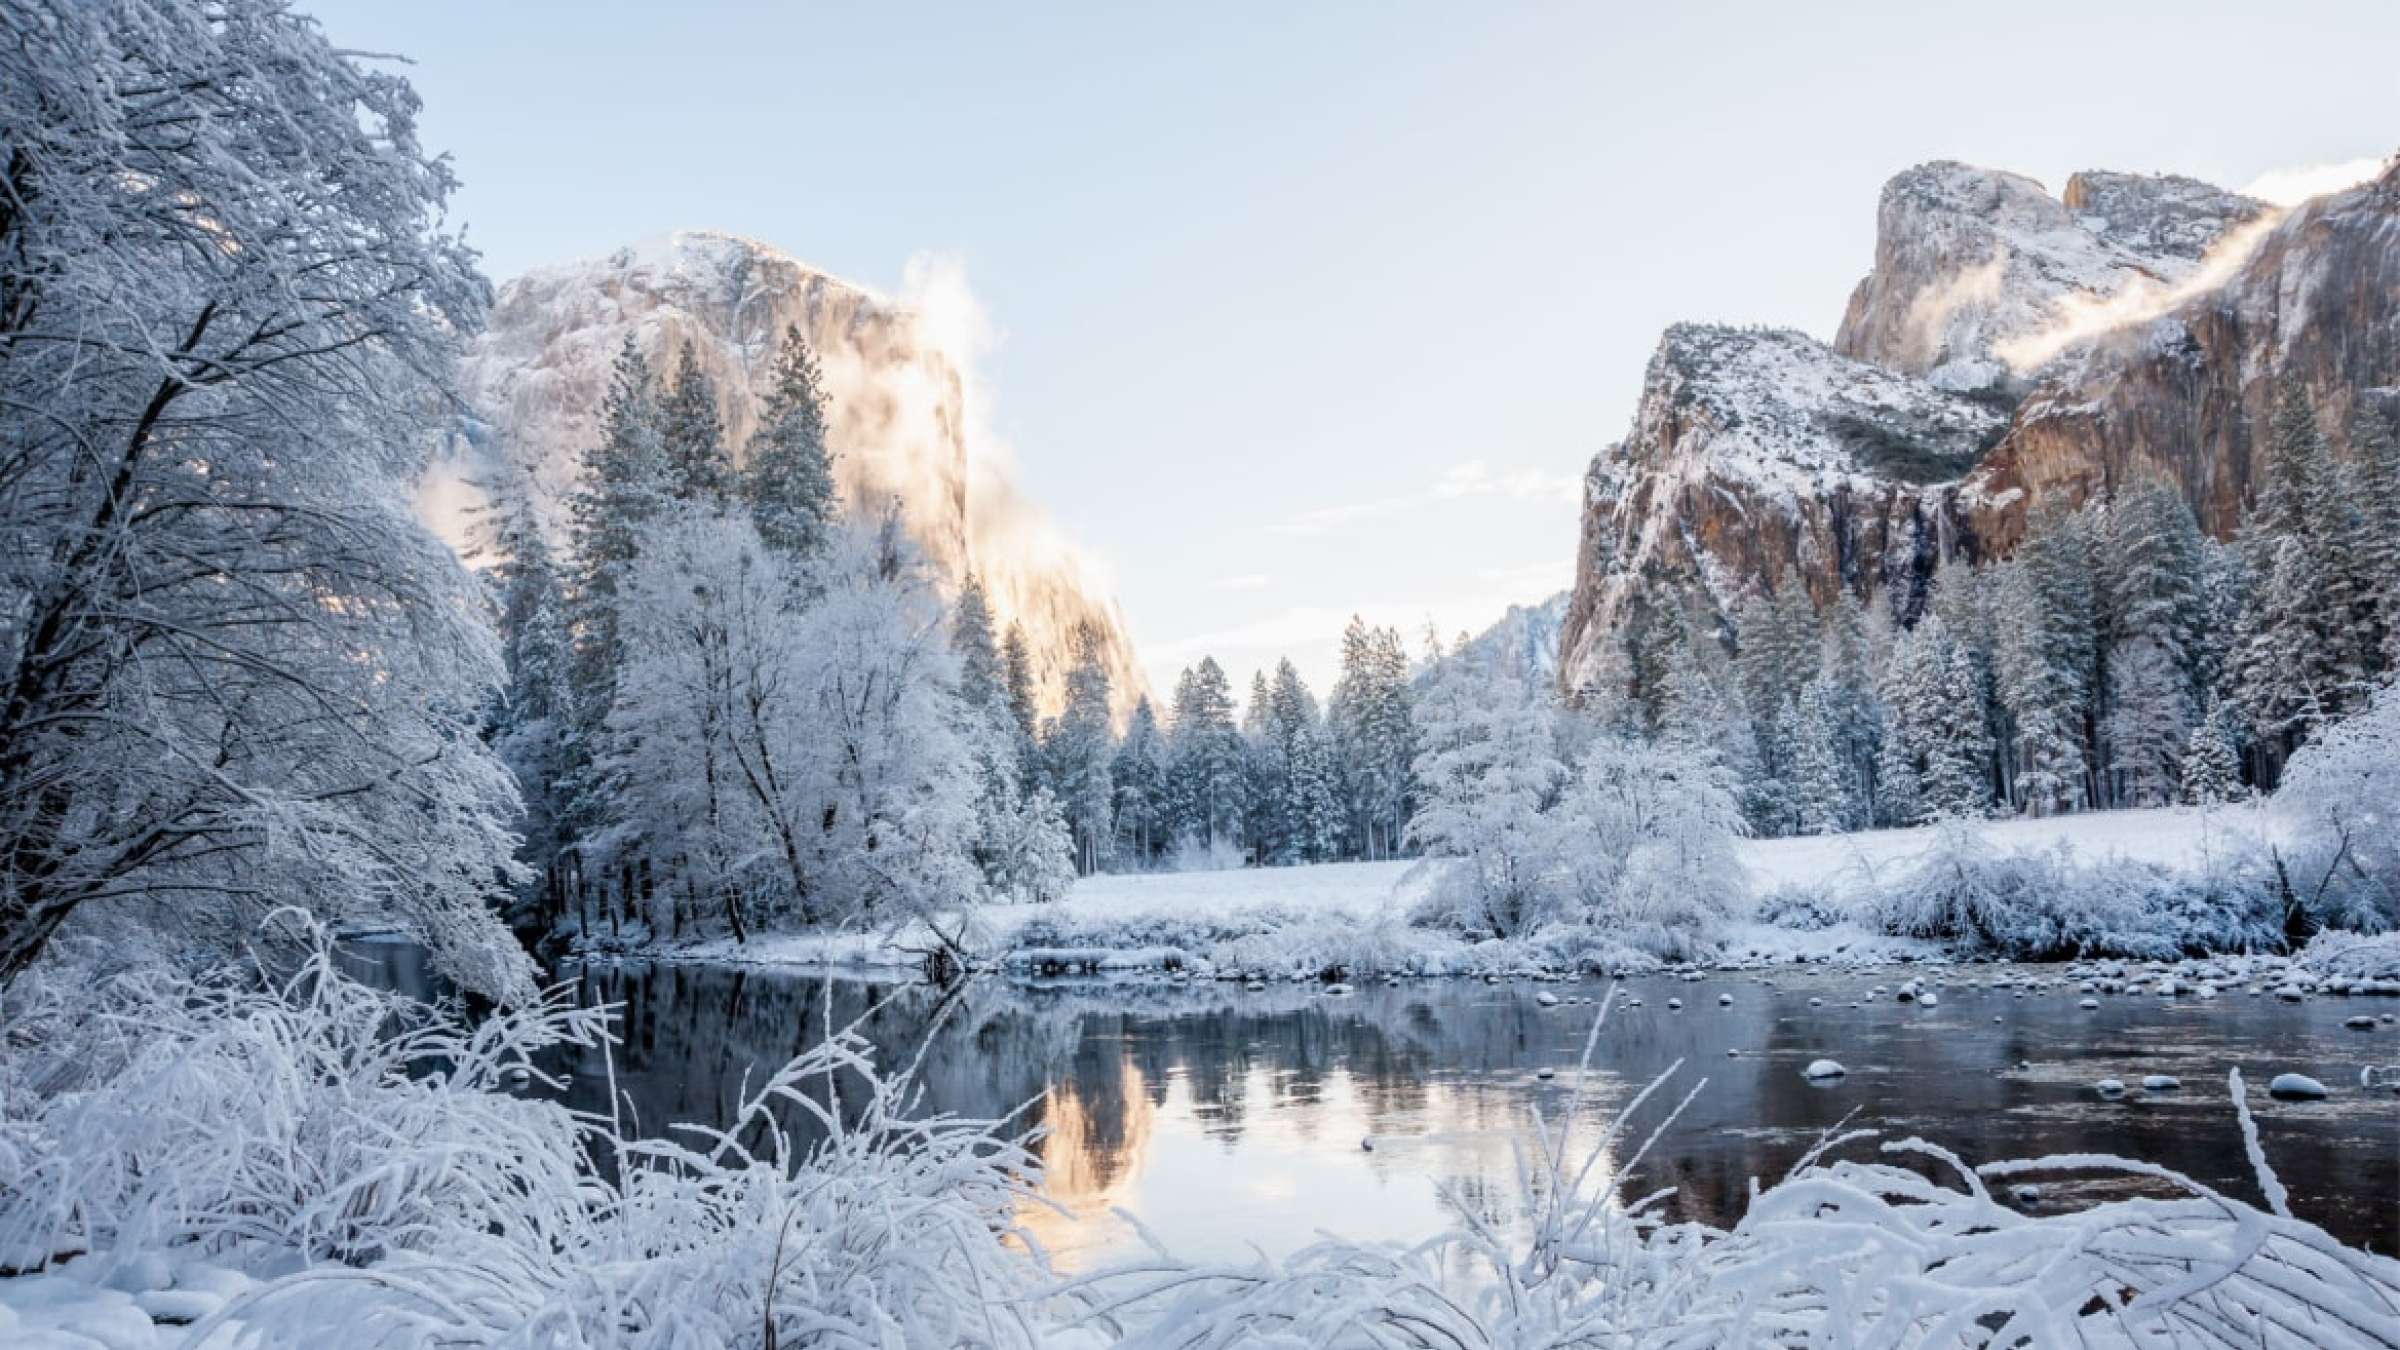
(906, 420)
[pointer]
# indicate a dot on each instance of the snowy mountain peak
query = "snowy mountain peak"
(1775, 406)
(1971, 263)
(902, 415)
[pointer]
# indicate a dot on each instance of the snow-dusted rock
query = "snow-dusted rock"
(897, 405)
(1823, 1069)
(2110, 1087)
(1546, 999)
(2297, 1087)
(1970, 262)
(2162, 1082)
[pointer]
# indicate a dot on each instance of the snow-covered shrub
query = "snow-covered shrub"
(307, 1113)
(1802, 908)
(2049, 904)
(1646, 837)
(1840, 1253)
(1334, 946)
(2342, 793)
(1194, 854)
(373, 1150)
(2350, 956)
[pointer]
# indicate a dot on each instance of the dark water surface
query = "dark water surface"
(1223, 1118)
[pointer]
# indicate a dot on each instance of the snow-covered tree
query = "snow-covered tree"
(779, 761)
(1486, 773)
(691, 431)
(1371, 725)
(2211, 771)
(1823, 789)
(2342, 790)
(1647, 836)
(788, 479)
(1079, 748)
(1144, 810)
(238, 672)
(1205, 759)
(534, 726)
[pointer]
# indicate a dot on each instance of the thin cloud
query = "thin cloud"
(1474, 478)
(2290, 187)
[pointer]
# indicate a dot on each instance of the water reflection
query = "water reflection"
(1224, 1119)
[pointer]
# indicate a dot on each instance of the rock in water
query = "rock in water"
(2089, 1004)
(1674, 1005)
(2162, 1082)
(1822, 1069)
(2297, 1087)
(2359, 1023)
(1724, 1000)
(1545, 1074)
(2109, 1087)
(1546, 999)
(1928, 999)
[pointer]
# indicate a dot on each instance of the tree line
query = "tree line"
(2119, 657)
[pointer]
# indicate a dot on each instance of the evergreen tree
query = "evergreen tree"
(982, 683)
(692, 434)
(2377, 442)
(622, 496)
(1016, 670)
(2211, 769)
(535, 728)
(1821, 781)
(1144, 810)
(1080, 749)
(2295, 662)
(1205, 759)
(2153, 579)
(788, 481)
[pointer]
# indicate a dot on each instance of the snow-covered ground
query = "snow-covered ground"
(2180, 837)
(1170, 919)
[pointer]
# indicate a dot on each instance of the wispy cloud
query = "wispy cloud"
(1474, 478)
(2290, 187)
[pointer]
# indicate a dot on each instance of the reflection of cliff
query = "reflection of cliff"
(1098, 1129)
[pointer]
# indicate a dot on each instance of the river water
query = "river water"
(1226, 1119)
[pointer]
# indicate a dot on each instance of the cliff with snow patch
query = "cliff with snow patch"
(2008, 348)
(901, 417)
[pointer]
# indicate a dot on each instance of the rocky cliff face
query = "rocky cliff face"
(2187, 394)
(2008, 349)
(1969, 261)
(1759, 457)
(900, 420)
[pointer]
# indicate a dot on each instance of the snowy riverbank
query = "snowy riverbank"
(1819, 899)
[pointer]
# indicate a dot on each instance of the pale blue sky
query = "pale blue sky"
(1271, 281)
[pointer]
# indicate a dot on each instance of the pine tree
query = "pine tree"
(982, 684)
(1143, 809)
(623, 494)
(2294, 661)
(1016, 669)
(1205, 759)
(2377, 442)
(788, 481)
(692, 434)
(1080, 748)
(2153, 581)
(535, 727)
(1821, 783)
(2212, 769)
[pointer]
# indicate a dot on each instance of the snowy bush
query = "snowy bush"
(2341, 791)
(373, 1148)
(1336, 946)
(1839, 1253)
(2048, 904)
